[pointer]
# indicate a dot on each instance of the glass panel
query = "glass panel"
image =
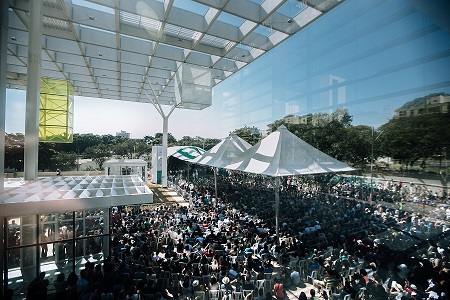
(94, 222)
(79, 224)
(65, 226)
(48, 228)
(55, 265)
(13, 238)
(28, 230)
(393, 53)
(94, 247)
(22, 271)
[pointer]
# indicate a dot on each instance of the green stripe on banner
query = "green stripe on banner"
(191, 153)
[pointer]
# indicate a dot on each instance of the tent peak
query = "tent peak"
(282, 127)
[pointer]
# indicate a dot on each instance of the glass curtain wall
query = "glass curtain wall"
(54, 243)
(369, 57)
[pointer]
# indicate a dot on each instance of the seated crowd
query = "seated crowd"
(226, 248)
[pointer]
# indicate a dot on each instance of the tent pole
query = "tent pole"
(188, 165)
(215, 182)
(277, 206)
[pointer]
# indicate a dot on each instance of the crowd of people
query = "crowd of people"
(226, 247)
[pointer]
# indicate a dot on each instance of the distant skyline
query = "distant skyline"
(104, 116)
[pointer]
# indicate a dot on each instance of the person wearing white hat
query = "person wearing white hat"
(226, 286)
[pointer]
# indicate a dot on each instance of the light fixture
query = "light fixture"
(91, 18)
(100, 54)
(289, 21)
(13, 38)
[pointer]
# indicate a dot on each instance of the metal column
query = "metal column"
(33, 91)
(164, 151)
(4, 258)
(3, 46)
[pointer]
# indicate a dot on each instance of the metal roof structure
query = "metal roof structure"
(115, 49)
(66, 193)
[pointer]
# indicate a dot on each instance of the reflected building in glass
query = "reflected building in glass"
(370, 57)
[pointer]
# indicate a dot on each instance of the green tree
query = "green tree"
(99, 153)
(125, 149)
(148, 139)
(356, 146)
(142, 149)
(65, 161)
(321, 130)
(251, 135)
(188, 141)
(171, 141)
(416, 137)
(14, 151)
(46, 157)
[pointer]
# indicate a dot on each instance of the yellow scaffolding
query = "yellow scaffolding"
(56, 111)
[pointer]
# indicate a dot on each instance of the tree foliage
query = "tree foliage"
(251, 135)
(65, 161)
(321, 130)
(99, 153)
(14, 151)
(356, 145)
(416, 137)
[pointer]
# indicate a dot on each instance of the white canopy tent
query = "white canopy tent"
(226, 151)
(284, 154)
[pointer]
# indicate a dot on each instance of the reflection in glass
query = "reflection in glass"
(13, 238)
(94, 222)
(27, 230)
(47, 228)
(22, 272)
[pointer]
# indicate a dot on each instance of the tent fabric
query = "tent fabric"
(225, 152)
(186, 153)
(284, 154)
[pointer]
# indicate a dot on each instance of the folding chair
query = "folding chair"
(248, 294)
(175, 277)
(206, 279)
(214, 295)
(237, 295)
(165, 278)
(328, 288)
(313, 276)
(348, 297)
(268, 277)
(260, 285)
(345, 276)
(361, 293)
(199, 295)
